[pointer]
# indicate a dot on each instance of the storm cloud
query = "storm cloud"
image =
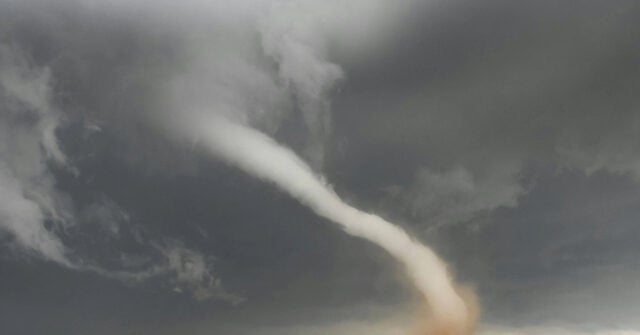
(503, 134)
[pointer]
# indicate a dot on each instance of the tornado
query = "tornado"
(450, 310)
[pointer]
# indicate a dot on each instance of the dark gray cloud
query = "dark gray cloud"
(503, 133)
(40, 219)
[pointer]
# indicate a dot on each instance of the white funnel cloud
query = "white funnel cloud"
(262, 157)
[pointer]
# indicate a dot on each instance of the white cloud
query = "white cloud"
(27, 141)
(459, 195)
(614, 150)
(550, 330)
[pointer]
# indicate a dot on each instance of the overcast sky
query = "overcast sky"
(503, 134)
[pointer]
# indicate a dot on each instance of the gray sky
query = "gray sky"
(504, 134)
